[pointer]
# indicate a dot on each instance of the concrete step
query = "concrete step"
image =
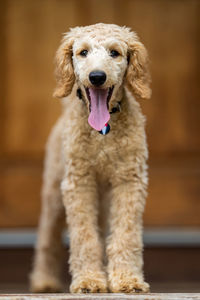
(150, 296)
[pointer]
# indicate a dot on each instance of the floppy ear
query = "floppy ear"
(64, 69)
(138, 76)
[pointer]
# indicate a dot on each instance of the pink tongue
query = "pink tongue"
(99, 114)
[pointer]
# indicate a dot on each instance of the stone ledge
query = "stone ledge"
(150, 296)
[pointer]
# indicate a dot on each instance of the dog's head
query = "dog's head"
(101, 58)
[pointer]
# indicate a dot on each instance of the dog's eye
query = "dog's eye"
(114, 53)
(84, 53)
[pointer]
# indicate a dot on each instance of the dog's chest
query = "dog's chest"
(86, 148)
(107, 152)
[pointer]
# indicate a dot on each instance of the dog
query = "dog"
(95, 166)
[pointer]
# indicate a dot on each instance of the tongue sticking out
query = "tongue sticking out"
(99, 114)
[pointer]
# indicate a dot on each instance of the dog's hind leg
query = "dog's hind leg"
(45, 276)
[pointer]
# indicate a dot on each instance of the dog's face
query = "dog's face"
(99, 67)
(101, 59)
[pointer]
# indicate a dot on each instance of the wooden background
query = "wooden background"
(30, 31)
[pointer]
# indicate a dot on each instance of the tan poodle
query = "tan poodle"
(96, 154)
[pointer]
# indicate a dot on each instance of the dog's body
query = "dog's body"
(84, 169)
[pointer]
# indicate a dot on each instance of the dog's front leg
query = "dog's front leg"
(86, 253)
(125, 246)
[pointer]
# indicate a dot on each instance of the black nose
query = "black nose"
(97, 78)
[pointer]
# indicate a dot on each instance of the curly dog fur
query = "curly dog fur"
(85, 170)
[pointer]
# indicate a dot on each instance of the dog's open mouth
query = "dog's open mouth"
(99, 100)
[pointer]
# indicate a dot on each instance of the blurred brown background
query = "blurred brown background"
(30, 32)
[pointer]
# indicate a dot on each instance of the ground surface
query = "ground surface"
(162, 296)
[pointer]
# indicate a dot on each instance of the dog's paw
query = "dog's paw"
(126, 282)
(90, 282)
(43, 283)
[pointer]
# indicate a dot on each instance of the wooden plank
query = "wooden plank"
(172, 119)
(30, 34)
(173, 193)
(20, 195)
(30, 53)
(3, 72)
(33, 32)
(181, 270)
(161, 296)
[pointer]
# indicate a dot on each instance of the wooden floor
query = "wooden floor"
(172, 270)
